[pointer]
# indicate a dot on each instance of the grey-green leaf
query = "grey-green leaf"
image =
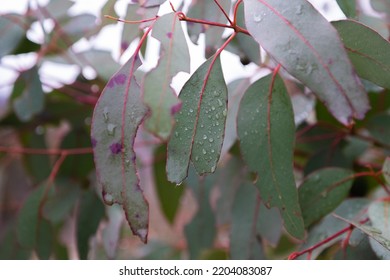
(115, 122)
(200, 123)
(158, 94)
(379, 214)
(362, 44)
(30, 97)
(322, 191)
(285, 30)
(266, 132)
(386, 170)
(13, 28)
(348, 7)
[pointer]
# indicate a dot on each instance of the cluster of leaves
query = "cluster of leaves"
(317, 119)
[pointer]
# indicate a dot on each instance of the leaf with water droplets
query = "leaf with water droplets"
(266, 131)
(322, 191)
(158, 94)
(200, 124)
(362, 45)
(300, 49)
(386, 170)
(116, 118)
(379, 215)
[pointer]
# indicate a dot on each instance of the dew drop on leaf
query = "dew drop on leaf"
(111, 128)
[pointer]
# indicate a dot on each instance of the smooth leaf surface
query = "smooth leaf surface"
(348, 7)
(130, 31)
(269, 224)
(378, 126)
(379, 214)
(200, 124)
(300, 48)
(12, 28)
(111, 233)
(58, 9)
(386, 170)
(362, 45)
(115, 122)
(158, 94)
(322, 191)
(266, 132)
(245, 242)
(29, 95)
(349, 209)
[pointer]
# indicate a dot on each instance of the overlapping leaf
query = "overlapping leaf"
(322, 192)
(348, 7)
(285, 30)
(379, 214)
(200, 124)
(116, 119)
(386, 170)
(12, 28)
(266, 131)
(158, 94)
(362, 44)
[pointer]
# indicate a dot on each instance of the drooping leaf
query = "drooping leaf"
(348, 7)
(29, 96)
(362, 44)
(13, 28)
(91, 212)
(29, 219)
(200, 232)
(322, 191)
(58, 9)
(375, 233)
(349, 209)
(379, 214)
(115, 122)
(324, 68)
(386, 170)
(45, 239)
(269, 225)
(266, 132)
(245, 242)
(198, 133)
(130, 31)
(158, 94)
(99, 60)
(378, 126)
(168, 193)
(10, 248)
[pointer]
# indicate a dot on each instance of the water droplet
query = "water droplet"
(324, 194)
(111, 128)
(224, 112)
(220, 102)
(204, 151)
(280, 197)
(108, 199)
(127, 161)
(216, 93)
(217, 123)
(196, 158)
(245, 133)
(257, 18)
(177, 134)
(202, 125)
(213, 108)
(211, 140)
(186, 128)
(105, 114)
(191, 110)
(213, 151)
(204, 137)
(213, 169)
(217, 116)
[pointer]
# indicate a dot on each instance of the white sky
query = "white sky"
(108, 39)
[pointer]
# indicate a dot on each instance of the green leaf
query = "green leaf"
(58, 9)
(201, 231)
(322, 191)
(115, 122)
(266, 131)
(269, 225)
(378, 126)
(373, 231)
(28, 95)
(200, 124)
(158, 94)
(245, 242)
(45, 240)
(168, 193)
(10, 248)
(300, 49)
(379, 214)
(29, 218)
(348, 7)
(349, 209)
(91, 212)
(362, 45)
(130, 31)
(13, 28)
(386, 170)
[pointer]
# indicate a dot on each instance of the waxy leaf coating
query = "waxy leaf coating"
(309, 48)
(116, 119)
(266, 132)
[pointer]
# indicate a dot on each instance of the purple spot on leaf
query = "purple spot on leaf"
(176, 108)
(120, 79)
(111, 83)
(116, 148)
(94, 142)
(330, 61)
(169, 35)
(124, 45)
(137, 216)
